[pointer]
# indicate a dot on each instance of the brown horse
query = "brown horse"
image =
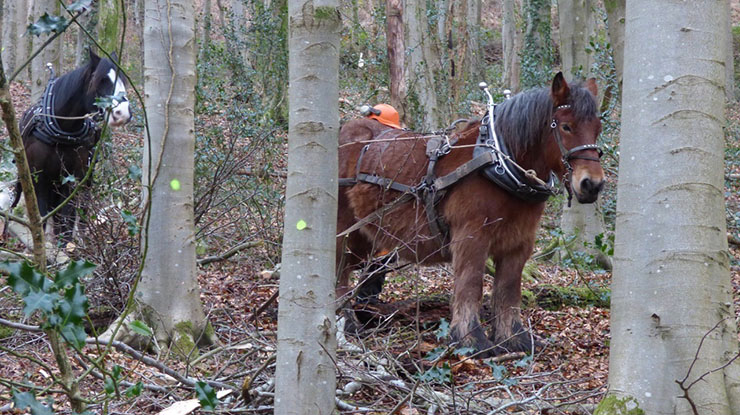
(544, 131)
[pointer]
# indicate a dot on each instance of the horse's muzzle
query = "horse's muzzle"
(120, 115)
(588, 190)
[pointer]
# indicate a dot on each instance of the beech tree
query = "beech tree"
(581, 223)
(304, 377)
(511, 36)
(674, 335)
(167, 297)
(52, 53)
(16, 41)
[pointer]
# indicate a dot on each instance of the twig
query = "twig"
(262, 308)
(19, 326)
(123, 347)
(231, 252)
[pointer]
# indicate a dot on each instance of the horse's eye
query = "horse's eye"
(566, 128)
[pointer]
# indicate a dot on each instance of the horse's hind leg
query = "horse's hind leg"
(374, 277)
(508, 334)
(468, 260)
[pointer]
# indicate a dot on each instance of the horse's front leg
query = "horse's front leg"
(508, 334)
(468, 260)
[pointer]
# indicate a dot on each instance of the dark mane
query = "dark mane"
(84, 79)
(523, 120)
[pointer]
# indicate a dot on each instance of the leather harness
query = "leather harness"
(42, 122)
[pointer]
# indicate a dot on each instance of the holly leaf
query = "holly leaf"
(74, 334)
(73, 307)
(443, 330)
(39, 300)
(22, 277)
(206, 396)
(80, 6)
(72, 274)
(48, 23)
(23, 400)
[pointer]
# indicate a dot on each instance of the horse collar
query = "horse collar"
(48, 129)
(503, 170)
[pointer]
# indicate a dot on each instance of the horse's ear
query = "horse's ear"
(94, 58)
(560, 90)
(591, 86)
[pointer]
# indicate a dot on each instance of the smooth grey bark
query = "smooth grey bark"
(581, 222)
(305, 379)
(52, 53)
(671, 282)
(167, 295)
(511, 36)
(729, 55)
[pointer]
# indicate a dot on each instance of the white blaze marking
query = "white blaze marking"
(121, 113)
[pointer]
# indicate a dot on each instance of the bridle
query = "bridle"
(568, 155)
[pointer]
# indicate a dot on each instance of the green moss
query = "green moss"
(612, 405)
(183, 345)
(326, 12)
(6, 332)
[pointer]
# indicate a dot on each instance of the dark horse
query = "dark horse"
(60, 132)
(474, 216)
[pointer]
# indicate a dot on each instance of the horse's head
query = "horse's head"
(107, 81)
(575, 127)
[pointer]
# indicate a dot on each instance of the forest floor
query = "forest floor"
(398, 365)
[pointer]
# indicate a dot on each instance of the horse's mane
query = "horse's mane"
(81, 79)
(523, 120)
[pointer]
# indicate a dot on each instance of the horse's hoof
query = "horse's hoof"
(475, 339)
(521, 341)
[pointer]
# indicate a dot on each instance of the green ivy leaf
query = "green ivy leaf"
(48, 23)
(131, 221)
(206, 396)
(22, 277)
(139, 327)
(38, 300)
(23, 400)
(134, 172)
(71, 275)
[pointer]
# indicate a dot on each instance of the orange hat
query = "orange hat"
(386, 115)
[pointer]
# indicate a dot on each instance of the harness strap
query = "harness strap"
(378, 214)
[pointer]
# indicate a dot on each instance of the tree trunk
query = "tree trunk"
(512, 43)
(672, 312)
(16, 41)
(52, 53)
(108, 29)
(582, 222)
(729, 55)
(305, 379)
(577, 27)
(423, 65)
(537, 57)
(396, 55)
(167, 296)
(462, 39)
(615, 16)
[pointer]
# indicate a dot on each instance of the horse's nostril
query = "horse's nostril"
(588, 186)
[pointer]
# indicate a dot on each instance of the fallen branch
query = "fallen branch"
(248, 171)
(231, 252)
